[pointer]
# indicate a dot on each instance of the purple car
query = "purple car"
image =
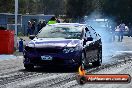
(64, 44)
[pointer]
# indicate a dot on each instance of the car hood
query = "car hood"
(53, 42)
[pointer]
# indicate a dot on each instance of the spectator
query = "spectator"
(130, 30)
(29, 31)
(58, 21)
(43, 24)
(112, 29)
(33, 28)
(39, 26)
(121, 31)
(52, 21)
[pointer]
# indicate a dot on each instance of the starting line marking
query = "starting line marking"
(124, 51)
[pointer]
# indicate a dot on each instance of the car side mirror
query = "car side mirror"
(31, 37)
(89, 39)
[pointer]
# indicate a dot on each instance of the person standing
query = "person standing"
(130, 30)
(29, 30)
(39, 26)
(43, 24)
(58, 20)
(52, 21)
(33, 27)
(121, 31)
(113, 33)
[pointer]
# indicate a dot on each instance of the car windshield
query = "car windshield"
(68, 32)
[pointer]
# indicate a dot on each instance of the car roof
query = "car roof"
(68, 24)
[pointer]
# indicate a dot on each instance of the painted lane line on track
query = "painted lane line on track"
(124, 51)
(9, 57)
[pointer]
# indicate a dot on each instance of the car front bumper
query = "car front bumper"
(69, 59)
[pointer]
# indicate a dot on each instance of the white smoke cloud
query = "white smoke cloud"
(103, 26)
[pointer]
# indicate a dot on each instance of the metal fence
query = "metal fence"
(20, 30)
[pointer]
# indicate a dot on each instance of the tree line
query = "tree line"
(118, 9)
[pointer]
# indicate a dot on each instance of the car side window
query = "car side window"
(88, 33)
(82, 34)
(94, 35)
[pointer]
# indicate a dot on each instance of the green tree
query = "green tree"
(52, 6)
(120, 9)
(78, 8)
(7, 6)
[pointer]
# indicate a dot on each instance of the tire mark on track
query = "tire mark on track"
(57, 83)
(125, 59)
(53, 81)
(64, 81)
(20, 76)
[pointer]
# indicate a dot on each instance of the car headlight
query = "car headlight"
(70, 49)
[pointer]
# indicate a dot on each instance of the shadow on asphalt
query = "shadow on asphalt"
(57, 69)
(51, 70)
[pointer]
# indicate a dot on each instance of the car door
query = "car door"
(95, 44)
(88, 46)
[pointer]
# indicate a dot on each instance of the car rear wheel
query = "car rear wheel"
(28, 66)
(83, 61)
(99, 61)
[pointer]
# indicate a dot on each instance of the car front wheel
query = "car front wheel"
(84, 64)
(99, 61)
